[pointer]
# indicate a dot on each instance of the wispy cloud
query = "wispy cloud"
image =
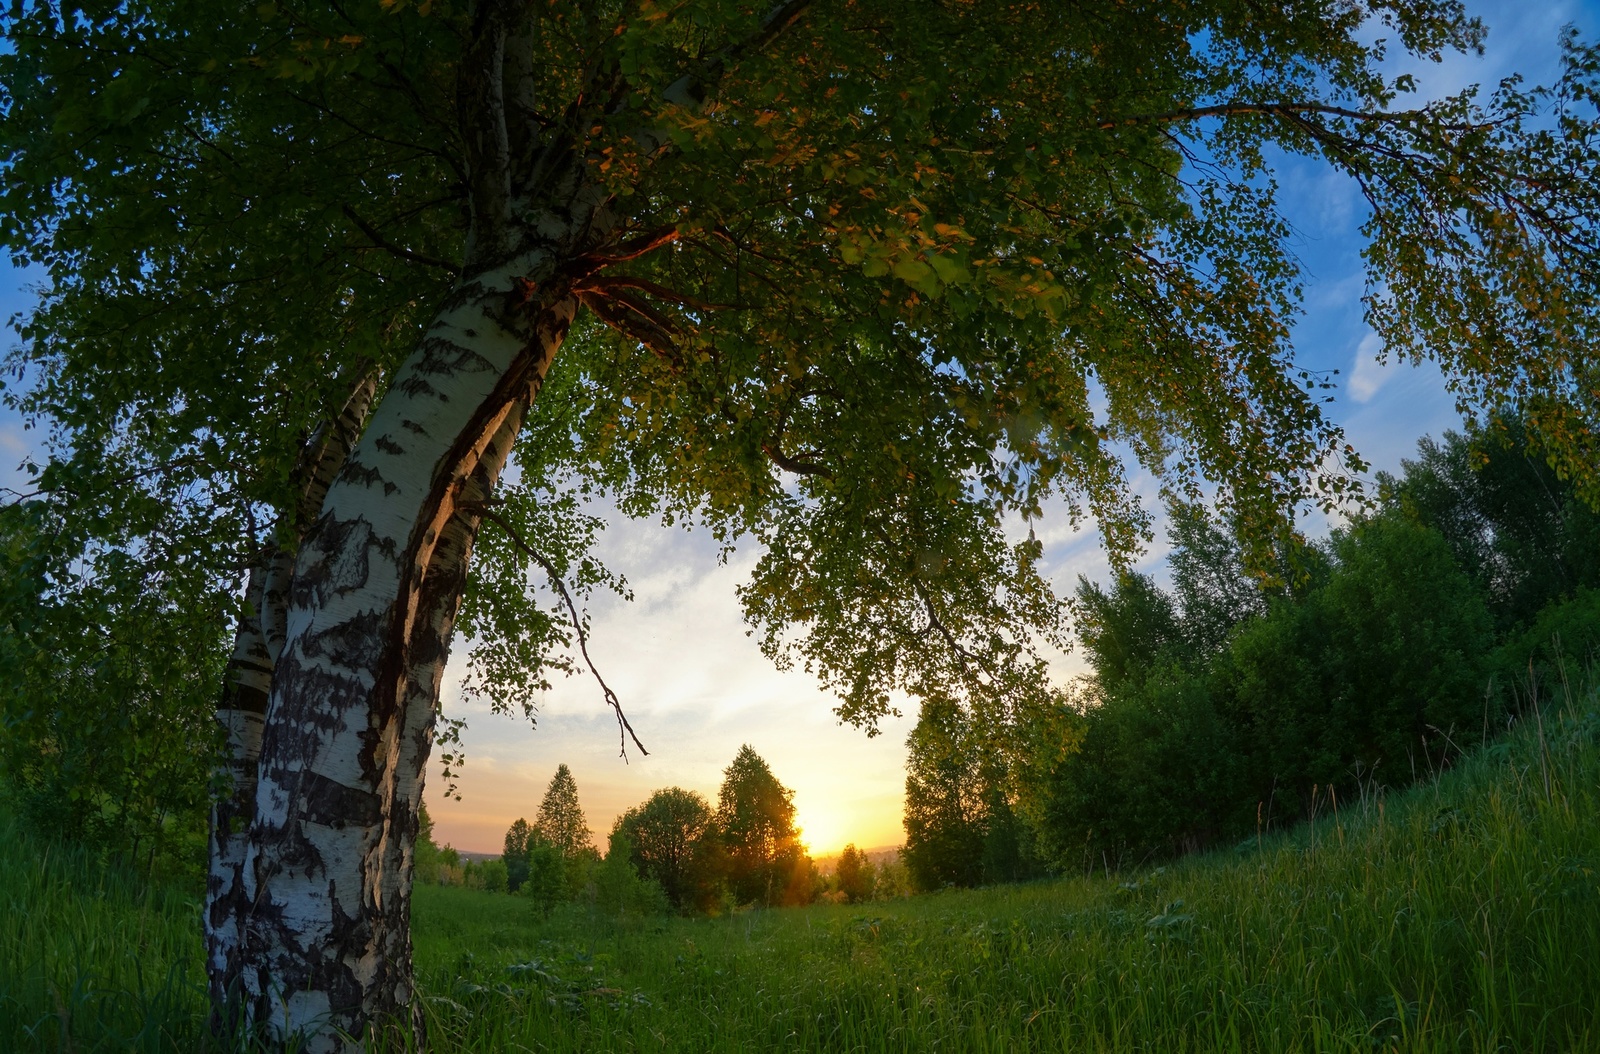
(1369, 372)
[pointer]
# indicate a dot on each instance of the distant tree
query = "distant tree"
(893, 881)
(1512, 523)
(618, 887)
(427, 858)
(579, 870)
(1214, 590)
(560, 819)
(1150, 771)
(1124, 630)
(494, 876)
(546, 883)
(755, 814)
(1547, 660)
(516, 854)
(1380, 668)
(854, 875)
(664, 834)
(944, 817)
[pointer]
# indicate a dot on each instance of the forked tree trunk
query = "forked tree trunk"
(309, 928)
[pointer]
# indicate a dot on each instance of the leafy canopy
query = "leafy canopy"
(922, 270)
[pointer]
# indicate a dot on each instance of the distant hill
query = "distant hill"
(468, 854)
(879, 856)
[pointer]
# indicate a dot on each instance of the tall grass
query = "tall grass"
(1463, 916)
(92, 956)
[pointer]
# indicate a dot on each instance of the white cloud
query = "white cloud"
(1370, 372)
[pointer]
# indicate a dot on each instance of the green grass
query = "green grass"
(94, 957)
(1462, 916)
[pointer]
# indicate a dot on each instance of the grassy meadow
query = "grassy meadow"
(1461, 916)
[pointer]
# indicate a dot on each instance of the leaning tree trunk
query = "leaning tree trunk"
(314, 939)
(311, 932)
(322, 945)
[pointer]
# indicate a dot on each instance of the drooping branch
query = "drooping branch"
(1281, 109)
(624, 729)
(380, 242)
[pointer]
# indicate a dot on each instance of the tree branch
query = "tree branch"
(624, 729)
(380, 242)
(1277, 109)
(481, 114)
(692, 89)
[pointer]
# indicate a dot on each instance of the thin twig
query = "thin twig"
(577, 624)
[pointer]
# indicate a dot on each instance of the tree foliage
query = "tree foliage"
(854, 874)
(890, 301)
(755, 818)
(105, 692)
(671, 837)
(518, 839)
(1512, 523)
(961, 828)
(560, 820)
(1371, 669)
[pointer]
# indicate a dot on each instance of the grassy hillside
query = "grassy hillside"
(1462, 916)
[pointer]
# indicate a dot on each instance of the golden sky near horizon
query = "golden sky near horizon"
(695, 688)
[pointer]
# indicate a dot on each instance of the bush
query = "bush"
(1154, 773)
(1561, 646)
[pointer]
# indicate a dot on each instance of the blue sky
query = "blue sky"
(696, 687)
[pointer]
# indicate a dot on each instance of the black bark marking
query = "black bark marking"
(416, 385)
(341, 563)
(300, 733)
(412, 426)
(389, 446)
(356, 473)
(332, 804)
(443, 356)
(357, 642)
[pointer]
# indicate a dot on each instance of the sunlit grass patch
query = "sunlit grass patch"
(1461, 916)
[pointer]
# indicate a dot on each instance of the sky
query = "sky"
(696, 687)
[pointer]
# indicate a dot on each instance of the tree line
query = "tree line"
(673, 852)
(1244, 697)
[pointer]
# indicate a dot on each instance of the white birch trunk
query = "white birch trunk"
(247, 685)
(349, 724)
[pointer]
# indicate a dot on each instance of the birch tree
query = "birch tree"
(862, 284)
